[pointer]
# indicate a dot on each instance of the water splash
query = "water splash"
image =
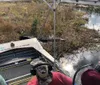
(73, 61)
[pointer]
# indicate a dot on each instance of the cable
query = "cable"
(47, 16)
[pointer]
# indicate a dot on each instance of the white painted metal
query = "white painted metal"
(85, 2)
(34, 43)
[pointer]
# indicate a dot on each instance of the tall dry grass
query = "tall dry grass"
(17, 19)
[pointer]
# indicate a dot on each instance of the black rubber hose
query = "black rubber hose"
(78, 71)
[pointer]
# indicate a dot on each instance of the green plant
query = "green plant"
(34, 27)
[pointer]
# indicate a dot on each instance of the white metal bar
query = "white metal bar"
(48, 4)
(54, 20)
(97, 3)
